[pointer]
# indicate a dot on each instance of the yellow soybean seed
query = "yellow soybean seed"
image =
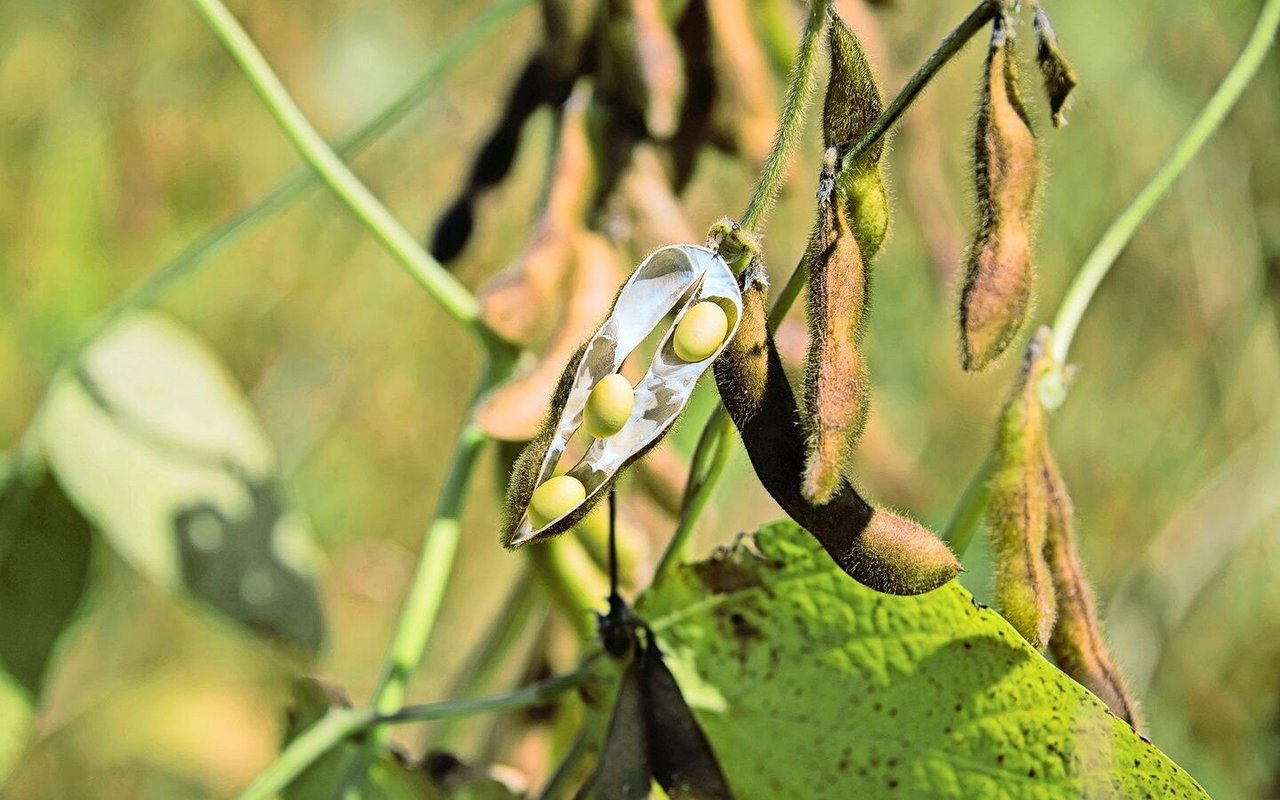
(700, 331)
(609, 406)
(553, 499)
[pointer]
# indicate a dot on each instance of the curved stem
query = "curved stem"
(1080, 293)
(1117, 236)
(341, 724)
(790, 126)
(709, 460)
(429, 273)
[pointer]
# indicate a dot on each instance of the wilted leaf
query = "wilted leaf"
(810, 685)
(157, 446)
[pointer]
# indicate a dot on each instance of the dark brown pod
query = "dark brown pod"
(881, 550)
(1059, 76)
(836, 394)
(1017, 511)
(1078, 644)
(996, 297)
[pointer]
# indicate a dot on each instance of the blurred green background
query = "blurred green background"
(126, 132)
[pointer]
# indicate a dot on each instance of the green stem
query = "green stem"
(1117, 236)
(299, 180)
(1099, 262)
(709, 460)
(341, 724)
(701, 484)
(429, 273)
(790, 126)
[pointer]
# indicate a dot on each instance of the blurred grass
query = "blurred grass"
(126, 132)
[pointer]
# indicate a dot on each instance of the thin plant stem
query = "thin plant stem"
(303, 178)
(791, 124)
(1117, 236)
(1084, 285)
(341, 724)
(421, 266)
(718, 427)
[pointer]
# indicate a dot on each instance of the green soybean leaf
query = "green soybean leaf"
(44, 570)
(158, 447)
(811, 685)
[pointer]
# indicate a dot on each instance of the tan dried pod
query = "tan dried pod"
(1078, 644)
(1060, 78)
(644, 213)
(996, 297)
(640, 66)
(836, 394)
(1017, 509)
(744, 113)
(681, 279)
(518, 302)
(877, 548)
(514, 410)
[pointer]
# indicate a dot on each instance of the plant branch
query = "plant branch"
(429, 273)
(1117, 236)
(701, 483)
(340, 724)
(1080, 293)
(799, 88)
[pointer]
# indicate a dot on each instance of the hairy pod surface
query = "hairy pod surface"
(836, 394)
(675, 278)
(881, 550)
(1059, 76)
(852, 104)
(1078, 644)
(996, 296)
(1017, 511)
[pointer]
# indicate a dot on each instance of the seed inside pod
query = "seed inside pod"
(609, 406)
(700, 332)
(554, 498)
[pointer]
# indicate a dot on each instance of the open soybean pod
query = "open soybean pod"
(698, 286)
(996, 297)
(877, 548)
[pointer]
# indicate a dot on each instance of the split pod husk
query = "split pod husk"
(880, 549)
(678, 279)
(996, 297)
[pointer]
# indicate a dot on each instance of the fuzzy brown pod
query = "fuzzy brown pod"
(514, 410)
(996, 298)
(882, 550)
(1059, 76)
(1018, 508)
(686, 280)
(836, 394)
(1078, 644)
(744, 113)
(639, 65)
(518, 302)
